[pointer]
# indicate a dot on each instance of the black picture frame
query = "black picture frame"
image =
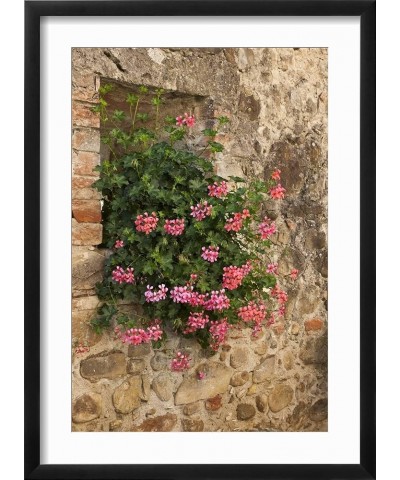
(366, 10)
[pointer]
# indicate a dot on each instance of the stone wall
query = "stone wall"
(277, 102)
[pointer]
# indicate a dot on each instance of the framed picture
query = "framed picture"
(208, 184)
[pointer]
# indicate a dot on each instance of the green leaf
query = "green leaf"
(208, 132)
(118, 115)
(216, 147)
(131, 99)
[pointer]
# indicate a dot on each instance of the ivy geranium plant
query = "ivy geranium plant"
(188, 246)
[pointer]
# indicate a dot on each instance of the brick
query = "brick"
(83, 163)
(313, 325)
(86, 139)
(83, 116)
(86, 233)
(86, 211)
(81, 181)
(85, 194)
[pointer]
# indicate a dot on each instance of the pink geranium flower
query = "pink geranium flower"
(278, 192)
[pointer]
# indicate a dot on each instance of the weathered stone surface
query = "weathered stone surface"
(295, 328)
(314, 350)
(87, 407)
(265, 370)
(192, 425)
(280, 397)
(319, 411)
(191, 409)
(216, 381)
(261, 348)
(245, 411)
(87, 270)
(115, 425)
(145, 393)
(252, 390)
(86, 211)
(239, 378)
(136, 366)
(86, 233)
(239, 357)
(288, 360)
(278, 328)
(162, 386)
(307, 302)
(126, 397)
(313, 325)
(83, 163)
(214, 403)
(161, 423)
(83, 115)
(137, 351)
(104, 365)
(249, 105)
(86, 139)
(82, 332)
(159, 362)
(314, 240)
(262, 403)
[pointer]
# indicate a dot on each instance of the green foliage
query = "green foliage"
(147, 173)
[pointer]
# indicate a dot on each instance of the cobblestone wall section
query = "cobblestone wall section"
(277, 101)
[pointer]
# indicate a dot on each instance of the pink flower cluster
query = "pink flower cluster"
(181, 294)
(272, 268)
(187, 120)
(266, 228)
(120, 275)
(196, 321)
(233, 276)
(253, 312)
(236, 222)
(146, 223)
(155, 296)
(201, 211)
(218, 190)
(279, 294)
(217, 301)
(281, 297)
(181, 362)
(294, 273)
(276, 174)
(278, 192)
(175, 227)
(218, 330)
(119, 244)
(136, 336)
(210, 254)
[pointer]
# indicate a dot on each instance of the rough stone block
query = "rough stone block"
(86, 139)
(313, 325)
(86, 211)
(83, 115)
(87, 407)
(83, 163)
(162, 423)
(86, 233)
(216, 381)
(104, 365)
(280, 397)
(87, 269)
